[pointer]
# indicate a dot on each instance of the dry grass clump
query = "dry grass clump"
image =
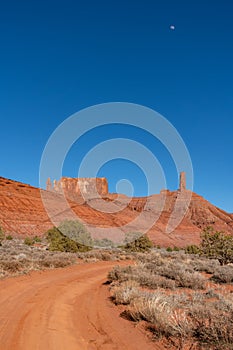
(205, 265)
(182, 274)
(160, 273)
(165, 321)
(125, 292)
(140, 275)
(196, 318)
(18, 258)
(182, 321)
(213, 325)
(102, 255)
(223, 274)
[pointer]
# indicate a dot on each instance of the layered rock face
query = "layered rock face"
(22, 211)
(73, 188)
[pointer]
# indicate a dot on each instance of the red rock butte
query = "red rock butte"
(73, 188)
(22, 212)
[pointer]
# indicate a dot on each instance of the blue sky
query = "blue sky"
(57, 57)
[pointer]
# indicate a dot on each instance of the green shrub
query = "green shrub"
(176, 249)
(169, 249)
(9, 237)
(76, 231)
(192, 249)
(29, 241)
(37, 239)
(217, 245)
(141, 244)
(59, 242)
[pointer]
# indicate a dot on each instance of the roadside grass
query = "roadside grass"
(18, 257)
(181, 298)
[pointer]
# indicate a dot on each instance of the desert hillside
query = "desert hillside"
(22, 213)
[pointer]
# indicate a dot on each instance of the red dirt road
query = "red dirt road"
(64, 309)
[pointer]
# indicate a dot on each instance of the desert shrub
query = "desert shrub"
(56, 261)
(141, 244)
(10, 266)
(95, 255)
(176, 249)
(157, 310)
(2, 236)
(76, 231)
(182, 274)
(224, 274)
(37, 239)
(191, 319)
(104, 242)
(212, 325)
(169, 249)
(192, 249)
(9, 237)
(191, 280)
(119, 273)
(179, 318)
(29, 241)
(160, 274)
(153, 281)
(59, 242)
(205, 265)
(17, 258)
(151, 260)
(125, 292)
(217, 245)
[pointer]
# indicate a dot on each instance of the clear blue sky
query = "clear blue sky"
(58, 57)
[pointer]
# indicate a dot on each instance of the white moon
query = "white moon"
(172, 27)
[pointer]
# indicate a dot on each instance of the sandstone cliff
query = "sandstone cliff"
(22, 212)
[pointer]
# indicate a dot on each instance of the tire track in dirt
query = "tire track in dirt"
(62, 309)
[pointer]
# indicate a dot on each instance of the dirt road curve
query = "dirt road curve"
(64, 309)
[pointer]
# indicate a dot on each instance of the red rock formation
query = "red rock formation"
(22, 212)
(182, 186)
(73, 188)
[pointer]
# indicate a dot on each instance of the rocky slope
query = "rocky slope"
(22, 213)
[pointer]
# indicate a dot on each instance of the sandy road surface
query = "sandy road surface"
(64, 309)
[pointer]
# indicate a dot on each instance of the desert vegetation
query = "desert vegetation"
(72, 236)
(214, 245)
(2, 236)
(59, 242)
(185, 300)
(60, 246)
(184, 297)
(137, 242)
(17, 257)
(20, 256)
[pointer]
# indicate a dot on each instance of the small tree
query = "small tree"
(216, 245)
(76, 231)
(59, 242)
(141, 244)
